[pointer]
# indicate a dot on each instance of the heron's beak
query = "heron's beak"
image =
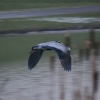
(31, 51)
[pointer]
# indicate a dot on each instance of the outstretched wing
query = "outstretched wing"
(66, 62)
(34, 58)
(65, 59)
(62, 52)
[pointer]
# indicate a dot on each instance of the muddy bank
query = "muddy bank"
(24, 31)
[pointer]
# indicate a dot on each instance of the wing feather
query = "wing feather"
(34, 58)
(67, 62)
(64, 57)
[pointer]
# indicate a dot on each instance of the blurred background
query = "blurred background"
(25, 23)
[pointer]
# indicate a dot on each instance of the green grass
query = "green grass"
(27, 4)
(15, 48)
(17, 25)
(23, 23)
(27, 24)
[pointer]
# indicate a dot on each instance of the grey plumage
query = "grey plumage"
(62, 51)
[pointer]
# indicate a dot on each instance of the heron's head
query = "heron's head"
(33, 49)
(58, 42)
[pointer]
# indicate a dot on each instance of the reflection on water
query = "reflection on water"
(19, 83)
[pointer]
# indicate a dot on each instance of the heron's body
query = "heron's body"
(53, 44)
(62, 51)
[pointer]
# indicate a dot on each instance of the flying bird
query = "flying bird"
(62, 51)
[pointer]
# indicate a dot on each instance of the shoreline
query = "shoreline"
(41, 30)
(69, 31)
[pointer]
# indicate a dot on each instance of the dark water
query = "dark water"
(41, 83)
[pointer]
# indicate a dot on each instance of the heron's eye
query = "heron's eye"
(59, 42)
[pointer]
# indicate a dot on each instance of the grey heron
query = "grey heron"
(62, 51)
